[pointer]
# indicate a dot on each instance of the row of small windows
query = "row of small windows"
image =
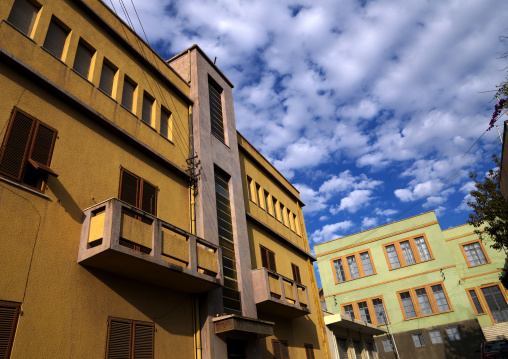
(364, 310)
(434, 335)
(272, 206)
(23, 15)
(353, 266)
(343, 347)
(424, 301)
(281, 349)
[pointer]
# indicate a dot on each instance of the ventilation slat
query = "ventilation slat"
(119, 346)
(8, 318)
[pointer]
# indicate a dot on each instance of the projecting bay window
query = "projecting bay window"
(129, 339)
(146, 115)
(216, 118)
(359, 265)
(424, 301)
(474, 252)
(56, 38)
(363, 310)
(83, 59)
(27, 149)
(9, 313)
(407, 252)
(23, 15)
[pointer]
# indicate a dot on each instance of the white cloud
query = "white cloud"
(369, 222)
(353, 201)
(385, 212)
(330, 231)
(313, 201)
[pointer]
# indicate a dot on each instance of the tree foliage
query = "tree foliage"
(490, 211)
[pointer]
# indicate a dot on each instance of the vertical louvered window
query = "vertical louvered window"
(146, 115)
(138, 192)
(23, 15)
(128, 93)
(55, 39)
(27, 149)
(108, 73)
(9, 313)
(309, 351)
(165, 123)
(216, 119)
(342, 348)
(296, 273)
(358, 349)
(280, 349)
(83, 59)
(268, 259)
(128, 339)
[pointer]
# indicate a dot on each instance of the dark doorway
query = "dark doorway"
(236, 349)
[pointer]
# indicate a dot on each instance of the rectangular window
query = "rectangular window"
(496, 303)
(83, 59)
(475, 301)
(282, 215)
(297, 224)
(380, 311)
(274, 205)
(296, 273)
(423, 301)
(9, 313)
(280, 349)
(146, 115)
(339, 270)
(309, 351)
(268, 259)
(440, 298)
(216, 119)
(387, 345)
(55, 39)
(166, 123)
(407, 305)
(137, 192)
(407, 252)
(266, 196)
(129, 87)
(108, 74)
(290, 222)
(435, 336)
(353, 267)
(364, 312)
(249, 187)
(130, 339)
(453, 333)
(27, 149)
(258, 189)
(23, 15)
(474, 253)
(349, 311)
(419, 340)
(366, 263)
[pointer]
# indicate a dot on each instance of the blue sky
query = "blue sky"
(369, 107)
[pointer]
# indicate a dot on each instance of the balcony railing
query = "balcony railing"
(119, 238)
(276, 294)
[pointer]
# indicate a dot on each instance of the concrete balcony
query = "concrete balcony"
(279, 295)
(119, 238)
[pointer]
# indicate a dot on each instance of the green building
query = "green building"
(436, 290)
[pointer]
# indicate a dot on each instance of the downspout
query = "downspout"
(193, 174)
(197, 328)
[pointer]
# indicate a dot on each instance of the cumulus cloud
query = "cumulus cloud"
(353, 201)
(330, 231)
(369, 222)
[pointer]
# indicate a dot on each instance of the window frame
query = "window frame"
(465, 256)
(67, 30)
(32, 26)
(83, 43)
(414, 249)
(169, 125)
(370, 307)
(283, 348)
(114, 79)
(139, 200)
(431, 337)
(132, 323)
(269, 267)
(44, 168)
(482, 305)
(458, 332)
(503, 291)
(309, 351)
(296, 273)
(430, 296)
(219, 133)
(420, 337)
(17, 311)
(390, 345)
(358, 263)
(151, 99)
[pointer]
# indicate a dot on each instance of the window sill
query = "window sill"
(18, 30)
(149, 126)
(23, 187)
(428, 315)
(83, 77)
(105, 93)
(42, 47)
(167, 139)
(220, 140)
(129, 111)
(350, 280)
(410, 265)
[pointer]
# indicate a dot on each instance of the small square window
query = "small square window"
(453, 333)
(387, 345)
(435, 336)
(475, 254)
(419, 340)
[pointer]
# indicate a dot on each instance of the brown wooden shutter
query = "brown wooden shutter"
(119, 339)
(149, 198)
(277, 352)
(128, 94)
(55, 39)
(83, 60)
(271, 261)
(296, 273)
(146, 115)
(107, 78)
(284, 349)
(129, 188)
(216, 119)
(309, 351)
(15, 147)
(42, 147)
(23, 16)
(143, 341)
(9, 313)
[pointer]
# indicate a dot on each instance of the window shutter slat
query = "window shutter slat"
(216, 119)
(107, 79)
(129, 188)
(119, 345)
(23, 16)
(15, 146)
(276, 349)
(128, 94)
(55, 39)
(146, 116)
(42, 147)
(8, 319)
(83, 60)
(143, 341)
(149, 199)
(284, 349)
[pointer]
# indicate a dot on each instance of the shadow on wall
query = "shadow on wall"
(469, 344)
(65, 199)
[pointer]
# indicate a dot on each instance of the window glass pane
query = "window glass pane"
(392, 256)
(364, 312)
(348, 311)
(379, 309)
(435, 336)
(366, 263)
(407, 252)
(496, 303)
(476, 302)
(440, 298)
(23, 16)
(423, 301)
(353, 267)
(423, 251)
(387, 345)
(474, 254)
(407, 304)
(418, 340)
(453, 333)
(339, 270)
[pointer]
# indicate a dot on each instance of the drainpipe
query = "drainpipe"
(196, 327)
